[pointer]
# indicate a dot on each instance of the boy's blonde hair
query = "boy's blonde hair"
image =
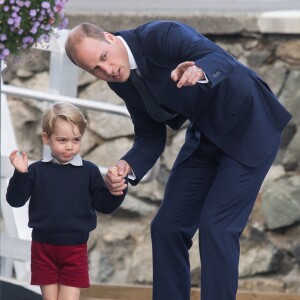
(66, 111)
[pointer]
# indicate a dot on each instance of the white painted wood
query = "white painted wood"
(15, 219)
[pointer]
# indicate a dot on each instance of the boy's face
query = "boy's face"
(106, 60)
(64, 142)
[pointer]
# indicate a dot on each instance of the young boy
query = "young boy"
(65, 192)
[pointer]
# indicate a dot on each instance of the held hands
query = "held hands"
(115, 178)
(19, 162)
(187, 74)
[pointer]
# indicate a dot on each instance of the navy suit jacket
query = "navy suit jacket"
(236, 110)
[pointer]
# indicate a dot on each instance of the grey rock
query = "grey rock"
(289, 51)
(291, 159)
(109, 126)
(108, 153)
(258, 255)
(290, 96)
(132, 206)
(281, 202)
(98, 90)
(275, 76)
(152, 190)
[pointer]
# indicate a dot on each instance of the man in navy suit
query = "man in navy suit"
(231, 141)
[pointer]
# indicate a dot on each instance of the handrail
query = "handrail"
(87, 103)
(51, 97)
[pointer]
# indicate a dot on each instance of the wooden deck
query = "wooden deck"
(132, 292)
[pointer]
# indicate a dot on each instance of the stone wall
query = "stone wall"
(120, 247)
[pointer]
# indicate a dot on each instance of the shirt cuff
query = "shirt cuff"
(203, 80)
(131, 176)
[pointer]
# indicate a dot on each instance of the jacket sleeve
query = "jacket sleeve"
(103, 201)
(150, 136)
(149, 143)
(19, 188)
(179, 42)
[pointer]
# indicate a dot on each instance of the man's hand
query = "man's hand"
(19, 162)
(187, 74)
(115, 177)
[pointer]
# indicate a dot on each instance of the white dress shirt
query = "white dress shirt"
(76, 161)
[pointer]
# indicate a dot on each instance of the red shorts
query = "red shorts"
(67, 265)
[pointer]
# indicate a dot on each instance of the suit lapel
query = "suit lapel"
(141, 61)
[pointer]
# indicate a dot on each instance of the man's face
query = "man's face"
(106, 60)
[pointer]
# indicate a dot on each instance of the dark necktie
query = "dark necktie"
(157, 112)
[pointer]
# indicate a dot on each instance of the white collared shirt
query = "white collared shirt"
(132, 62)
(76, 161)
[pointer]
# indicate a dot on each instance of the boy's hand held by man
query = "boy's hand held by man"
(115, 178)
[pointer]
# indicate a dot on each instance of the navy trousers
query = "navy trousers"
(214, 193)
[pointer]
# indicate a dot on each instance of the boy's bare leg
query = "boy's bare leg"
(50, 291)
(60, 292)
(68, 293)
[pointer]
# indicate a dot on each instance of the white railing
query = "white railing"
(51, 97)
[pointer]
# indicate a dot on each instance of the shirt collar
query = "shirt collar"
(76, 161)
(132, 62)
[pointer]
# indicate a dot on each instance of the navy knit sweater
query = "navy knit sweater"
(63, 200)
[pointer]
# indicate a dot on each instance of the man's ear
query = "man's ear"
(45, 138)
(108, 36)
